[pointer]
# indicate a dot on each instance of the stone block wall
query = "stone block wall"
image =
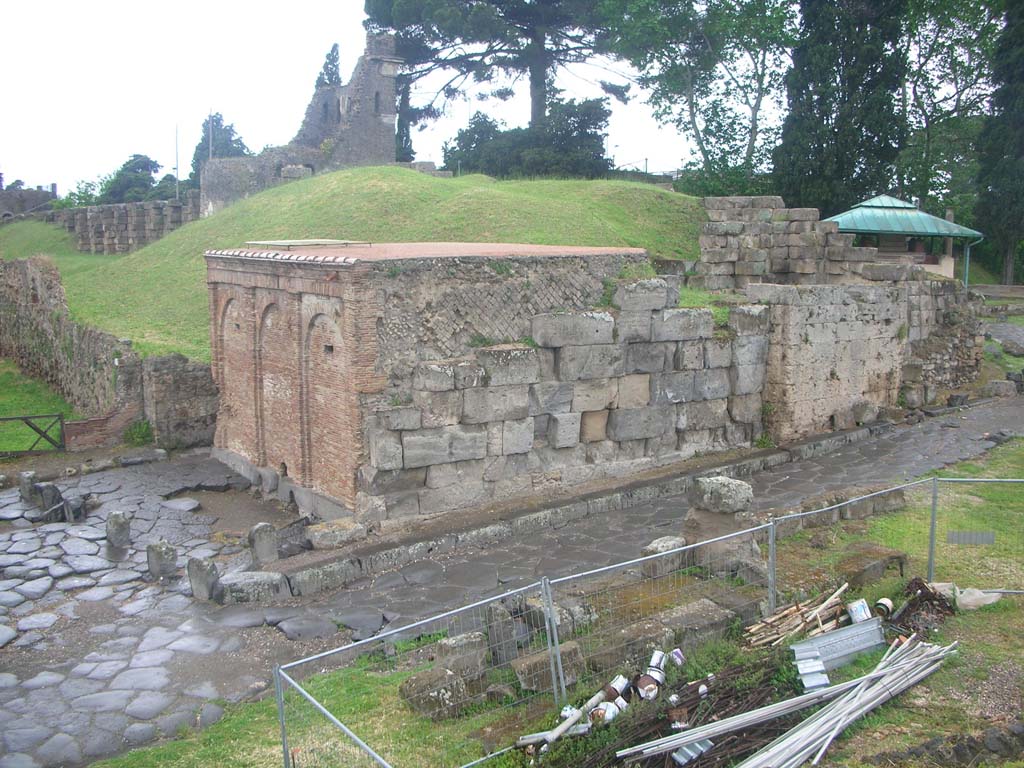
(97, 372)
(758, 240)
(124, 227)
(835, 355)
(598, 394)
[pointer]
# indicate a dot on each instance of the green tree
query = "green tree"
(951, 46)
(131, 183)
(476, 40)
(226, 143)
(84, 193)
(330, 74)
(1001, 145)
(843, 132)
(714, 70)
(570, 143)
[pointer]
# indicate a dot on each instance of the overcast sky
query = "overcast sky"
(89, 84)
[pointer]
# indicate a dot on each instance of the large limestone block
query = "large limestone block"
(641, 295)
(509, 364)
(634, 391)
(594, 426)
(438, 693)
(594, 394)
(594, 361)
(747, 379)
(254, 587)
(564, 430)
(655, 357)
(438, 409)
(682, 324)
(666, 563)
(721, 494)
(633, 327)
(403, 418)
(640, 423)
(517, 436)
(572, 329)
(671, 388)
(717, 353)
(550, 397)
(385, 449)
(711, 384)
(745, 408)
(434, 377)
(999, 389)
(750, 350)
(508, 403)
(704, 414)
(335, 533)
(534, 671)
(444, 445)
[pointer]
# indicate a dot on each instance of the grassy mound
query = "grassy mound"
(157, 295)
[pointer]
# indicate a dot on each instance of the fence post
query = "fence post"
(931, 532)
(279, 695)
(771, 569)
(558, 678)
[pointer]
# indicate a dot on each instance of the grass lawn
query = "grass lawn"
(157, 295)
(954, 700)
(980, 275)
(21, 395)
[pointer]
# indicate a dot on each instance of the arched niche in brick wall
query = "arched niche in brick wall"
(329, 415)
(278, 393)
(233, 345)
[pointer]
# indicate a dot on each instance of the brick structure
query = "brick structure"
(419, 378)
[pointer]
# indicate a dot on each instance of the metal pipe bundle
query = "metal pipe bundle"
(898, 670)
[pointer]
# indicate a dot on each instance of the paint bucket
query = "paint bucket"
(858, 611)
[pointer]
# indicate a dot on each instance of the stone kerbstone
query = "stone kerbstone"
(594, 361)
(564, 430)
(517, 436)
(263, 543)
(434, 377)
(204, 578)
(633, 327)
(444, 445)
(386, 449)
(438, 694)
(721, 494)
(487, 404)
(254, 587)
(560, 330)
(653, 569)
(161, 559)
(594, 394)
(640, 423)
(594, 426)
(641, 295)
(550, 397)
(634, 391)
(119, 532)
(509, 364)
(682, 324)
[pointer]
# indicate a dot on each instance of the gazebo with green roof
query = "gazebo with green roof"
(899, 229)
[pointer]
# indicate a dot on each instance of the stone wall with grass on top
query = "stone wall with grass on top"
(101, 374)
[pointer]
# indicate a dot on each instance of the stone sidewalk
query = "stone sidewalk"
(141, 660)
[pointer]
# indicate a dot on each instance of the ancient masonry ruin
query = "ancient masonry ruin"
(345, 126)
(405, 380)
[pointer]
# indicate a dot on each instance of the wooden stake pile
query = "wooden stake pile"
(811, 618)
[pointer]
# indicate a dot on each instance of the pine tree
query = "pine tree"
(843, 133)
(330, 74)
(1001, 146)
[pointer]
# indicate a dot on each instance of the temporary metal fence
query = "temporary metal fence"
(519, 655)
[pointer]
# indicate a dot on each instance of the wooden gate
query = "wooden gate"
(46, 433)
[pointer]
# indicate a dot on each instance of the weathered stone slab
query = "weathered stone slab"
(495, 404)
(704, 414)
(437, 693)
(641, 295)
(594, 426)
(633, 327)
(118, 529)
(590, 362)
(403, 418)
(434, 377)
(254, 587)
(639, 423)
(204, 579)
(676, 387)
(662, 566)
(721, 494)
(335, 533)
(560, 330)
(161, 559)
(385, 449)
(650, 358)
(634, 391)
(263, 543)
(445, 444)
(682, 324)
(564, 430)
(534, 671)
(550, 397)
(509, 364)
(517, 436)
(594, 394)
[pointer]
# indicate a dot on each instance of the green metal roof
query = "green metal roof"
(885, 215)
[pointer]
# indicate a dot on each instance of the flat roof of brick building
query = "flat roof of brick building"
(297, 251)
